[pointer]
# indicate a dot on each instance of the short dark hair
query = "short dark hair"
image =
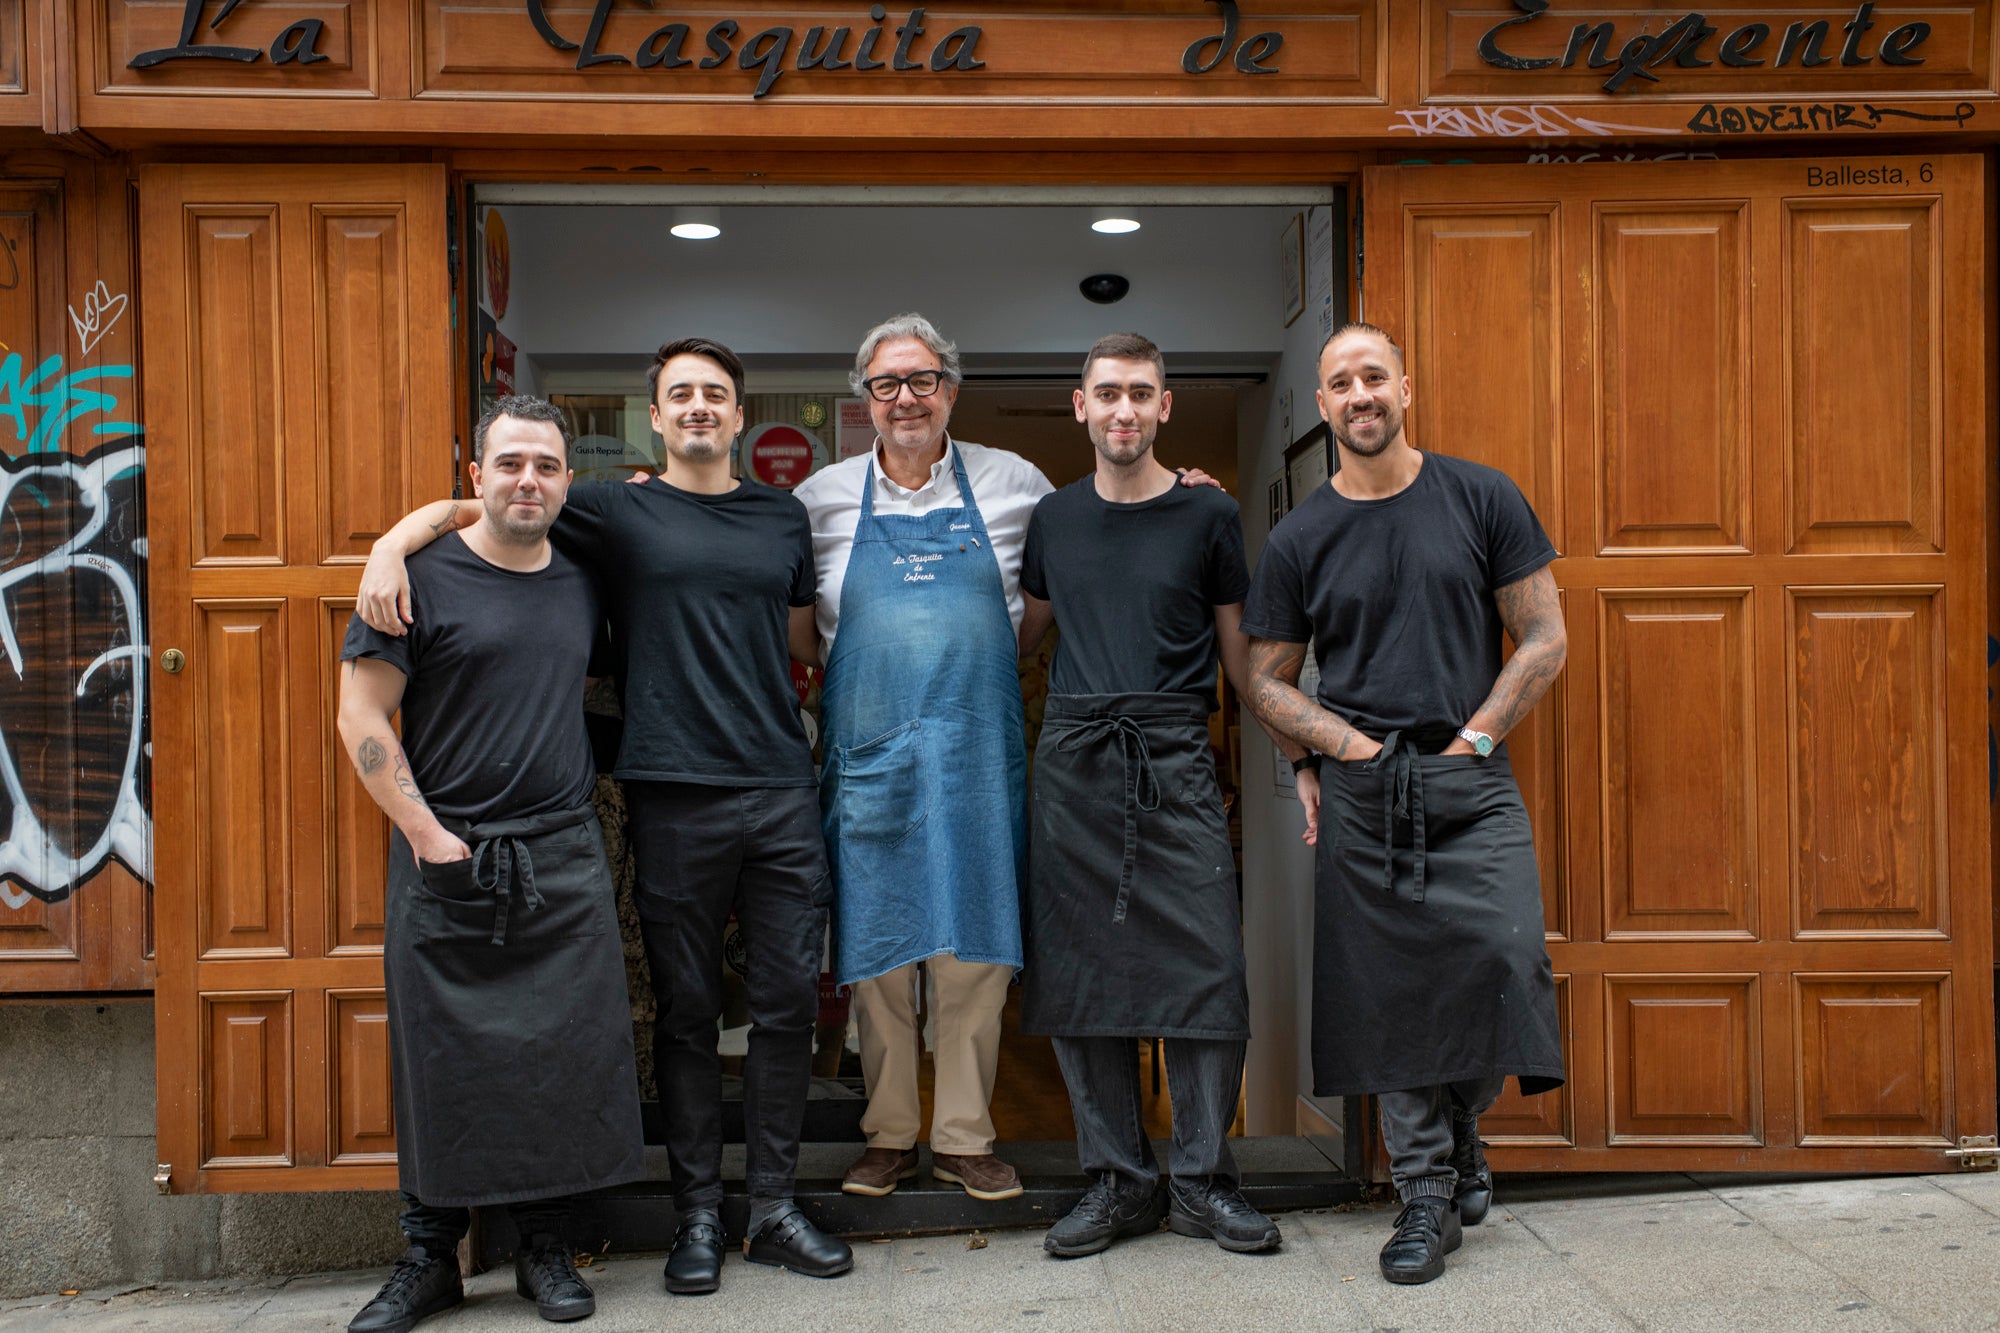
(707, 347)
(1125, 347)
(1359, 326)
(521, 407)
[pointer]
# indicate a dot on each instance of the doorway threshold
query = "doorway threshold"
(1280, 1174)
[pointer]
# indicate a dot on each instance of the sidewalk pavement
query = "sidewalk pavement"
(1670, 1252)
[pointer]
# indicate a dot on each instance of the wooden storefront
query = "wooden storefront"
(1717, 289)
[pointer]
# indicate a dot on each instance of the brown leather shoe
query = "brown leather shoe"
(984, 1176)
(878, 1170)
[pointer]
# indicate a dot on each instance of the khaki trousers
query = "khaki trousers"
(966, 1039)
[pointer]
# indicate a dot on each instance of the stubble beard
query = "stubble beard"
(1122, 455)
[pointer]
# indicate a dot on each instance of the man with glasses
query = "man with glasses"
(918, 546)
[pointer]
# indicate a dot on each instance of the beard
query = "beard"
(1390, 426)
(1122, 455)
(699, 450)
(520, 530)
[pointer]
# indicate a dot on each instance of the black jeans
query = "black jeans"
(441, 1229)
(1417, 1131)
(1203, 1078)
(700, 852)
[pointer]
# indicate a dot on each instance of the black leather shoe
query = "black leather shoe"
(694, 1267)
(422, 1285)
(545, 1274)
(1105, 1213)
(1426, 1231)
(789, 1240)
(1474, 1194)
(1215, 1209)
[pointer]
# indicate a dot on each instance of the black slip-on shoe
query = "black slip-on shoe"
(694, 1266)
(423, 1284)
(1105, 1213)
(791, 1241)
(1426, 1231)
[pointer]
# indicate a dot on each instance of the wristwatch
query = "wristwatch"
(1310, 759)
(1479, 740)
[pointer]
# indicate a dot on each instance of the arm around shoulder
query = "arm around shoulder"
(384, 599)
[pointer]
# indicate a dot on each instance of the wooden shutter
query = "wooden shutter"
(1749, 402)
(298, 402)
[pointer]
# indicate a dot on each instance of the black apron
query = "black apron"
(1428, 962)
(1132, 923)
(510, 1032)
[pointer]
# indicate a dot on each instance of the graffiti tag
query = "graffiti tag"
(44, 404)
(1507, 122)
(100, 311)
(1809, 117)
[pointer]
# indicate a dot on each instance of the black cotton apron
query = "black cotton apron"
(1428, 963)
(1132, 922)
(510, 1031)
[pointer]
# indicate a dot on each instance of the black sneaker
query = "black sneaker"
(1474, 1194)
(423, 1284)
(1215, 1209)
(1105, 1213)
(545, 1274)
(1426, 1231)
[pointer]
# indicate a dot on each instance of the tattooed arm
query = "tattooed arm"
(370, 693)
(1533, 617)
(384, 602)
(1233, 647)
(1274, 696)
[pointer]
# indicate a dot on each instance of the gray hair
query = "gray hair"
(911, 325)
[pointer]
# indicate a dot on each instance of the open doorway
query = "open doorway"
(575, 294)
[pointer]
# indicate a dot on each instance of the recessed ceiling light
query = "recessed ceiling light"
(1111, 222)
(697, 224)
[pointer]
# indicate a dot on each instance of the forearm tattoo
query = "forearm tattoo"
(446, 524)
(1532, 614)
(370, 755)
(1277, 701)
(407, 784)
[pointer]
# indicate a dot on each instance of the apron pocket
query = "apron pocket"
(881, 783)
(452, 881)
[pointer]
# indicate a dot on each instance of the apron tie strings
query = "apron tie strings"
(1142, 788)
(510, 860)
(1402, 798)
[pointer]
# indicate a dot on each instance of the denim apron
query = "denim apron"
(922, 790)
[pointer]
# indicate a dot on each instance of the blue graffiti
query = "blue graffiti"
(45, 404)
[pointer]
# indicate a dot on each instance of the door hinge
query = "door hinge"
(1976, 1152)
(163, 1177)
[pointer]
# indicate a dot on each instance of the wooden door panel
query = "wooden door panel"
(364, 446)
(361, 1115)
(1679, 820)
(1687, 1059)
(233, 351)
(357, 836)
(298, 385)
(1674, 449)
(1485, 337)
(1868, 850)
(1866, 468)
(248, 1059)
(1784, 395)
(41, 932)
(242, 773)
(1874, 1058)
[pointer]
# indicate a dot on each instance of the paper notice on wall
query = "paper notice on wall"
(1319, 268)
(854, 433)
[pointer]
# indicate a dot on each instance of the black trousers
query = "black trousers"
(440, 1229)
(1417, 1131)
(1203, 1078)
(699, 853)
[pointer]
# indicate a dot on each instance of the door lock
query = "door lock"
(172, 660)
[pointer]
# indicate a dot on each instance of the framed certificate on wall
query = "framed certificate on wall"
(1307, 463)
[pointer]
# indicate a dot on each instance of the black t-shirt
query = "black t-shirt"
(699, 591)
(1396, 594)
(493, 708)
(1135, 587)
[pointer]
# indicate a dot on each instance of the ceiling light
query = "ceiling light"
(697, 224)
(1112, 222)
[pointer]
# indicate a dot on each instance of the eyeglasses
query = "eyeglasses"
(886, 388)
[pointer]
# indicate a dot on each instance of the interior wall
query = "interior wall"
(1277, 866)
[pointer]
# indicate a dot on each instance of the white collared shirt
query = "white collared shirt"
(1007, 487)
